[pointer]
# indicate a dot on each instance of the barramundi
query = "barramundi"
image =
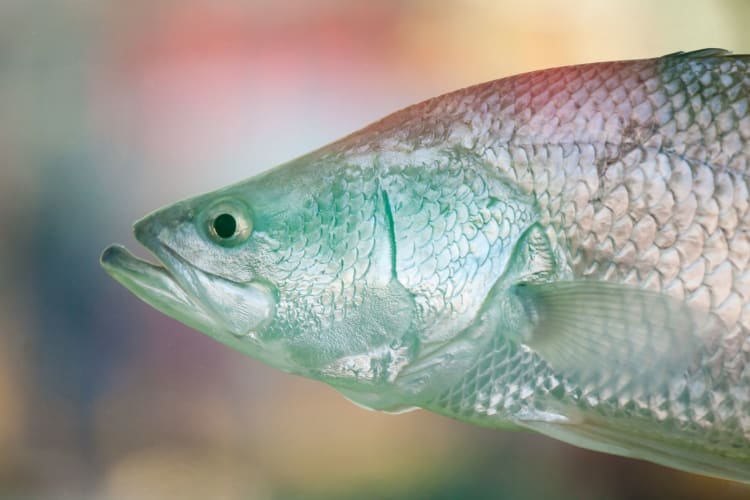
(565, 251)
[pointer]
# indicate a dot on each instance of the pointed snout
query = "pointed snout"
(148, 229)
(144, 230)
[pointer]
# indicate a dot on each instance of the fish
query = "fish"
(564, 251)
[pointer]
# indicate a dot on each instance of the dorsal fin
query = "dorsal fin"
(701, 53)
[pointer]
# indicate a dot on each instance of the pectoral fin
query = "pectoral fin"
(609, 334)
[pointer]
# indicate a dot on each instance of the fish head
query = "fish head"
(202, 278)
(292, 267)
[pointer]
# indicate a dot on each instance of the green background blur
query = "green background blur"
(111, 109)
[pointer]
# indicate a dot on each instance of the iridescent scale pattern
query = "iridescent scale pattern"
(639, 171)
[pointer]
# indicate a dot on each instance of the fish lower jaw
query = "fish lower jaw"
(215, 306)
(155, 285)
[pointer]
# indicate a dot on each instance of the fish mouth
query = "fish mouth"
(155, 285)
(209, 303)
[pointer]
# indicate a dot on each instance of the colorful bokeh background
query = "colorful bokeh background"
(113, 108)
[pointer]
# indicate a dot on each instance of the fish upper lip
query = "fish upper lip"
(146, 235)
(167, 257)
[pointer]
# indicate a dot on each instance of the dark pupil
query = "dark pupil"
(225, 226)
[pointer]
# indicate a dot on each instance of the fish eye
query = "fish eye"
(228, 223)
(225, 225)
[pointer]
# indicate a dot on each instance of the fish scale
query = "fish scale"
(668, 204)
(565, 251)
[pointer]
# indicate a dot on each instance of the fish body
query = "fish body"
(564, 251)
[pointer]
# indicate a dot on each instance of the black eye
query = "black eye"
(227, 222)
(225, 226)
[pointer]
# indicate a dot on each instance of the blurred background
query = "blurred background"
(111, 109)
